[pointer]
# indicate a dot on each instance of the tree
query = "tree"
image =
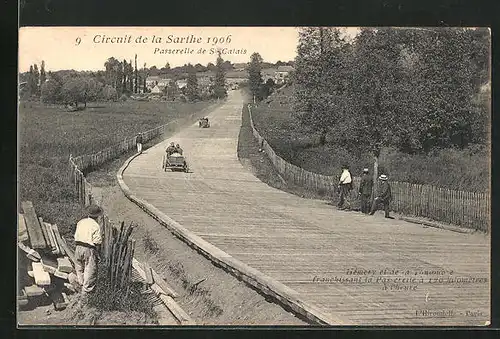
(80, 89)
(43, 76)
(144, 77)
(136, 76)
(109, 93)
(192, 84)
(113, 72)
(219, 88)
(36, 80)
(211, 67)
(254, 74)
(31, 86)
(171, 90)
(452, 66)
(319, 79)
(200, 68)
(227, 65)
(51, 89)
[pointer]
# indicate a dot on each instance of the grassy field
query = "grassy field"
(456, 169)
(49, 134)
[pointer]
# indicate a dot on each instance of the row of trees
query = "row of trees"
(413, 89)
(34, 78)
(118, 79)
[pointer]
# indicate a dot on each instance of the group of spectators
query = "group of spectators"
(382, 197)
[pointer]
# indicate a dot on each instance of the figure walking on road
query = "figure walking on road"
(88, 241)
(345, 186)
(138, 141)
(384, 196)
(365, 191)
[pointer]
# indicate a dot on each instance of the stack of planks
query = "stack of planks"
(47, 259)
(118, 252)
(165, 293)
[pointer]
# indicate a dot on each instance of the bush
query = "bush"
(123, 97)
(183, 98)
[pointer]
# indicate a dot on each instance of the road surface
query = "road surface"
(357, 269)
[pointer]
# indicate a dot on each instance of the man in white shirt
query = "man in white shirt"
(88, 241)
(345, 186)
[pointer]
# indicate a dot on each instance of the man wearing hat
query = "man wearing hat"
(365, 191)
(88, 241)
(384, 196)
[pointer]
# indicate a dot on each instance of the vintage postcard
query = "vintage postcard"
(173, 176)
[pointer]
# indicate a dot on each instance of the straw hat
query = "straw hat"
(383, 177)
(94, 211)
(365, 170)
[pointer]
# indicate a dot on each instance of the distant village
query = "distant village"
(147, 83)
(157, 84)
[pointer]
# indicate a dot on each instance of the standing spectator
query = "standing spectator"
(88, 241)
(345, 186)
(365, 190)
(138, 141)
(384, 196)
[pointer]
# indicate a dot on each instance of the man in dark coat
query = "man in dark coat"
(365, 191)
(384, 196)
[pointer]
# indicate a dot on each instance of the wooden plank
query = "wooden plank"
(22, 232)
(41, 277)
(22, 299)
(35, 232)
(49, 265)
(159, 285)
(30, 253)
(33, 291)
(45, 234)
(176, 310)
(69, 251)
(52, 237)
(57, 235)
(64, 265)
(149, 275)
(163, 285)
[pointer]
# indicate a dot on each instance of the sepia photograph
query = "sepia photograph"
(254, 176)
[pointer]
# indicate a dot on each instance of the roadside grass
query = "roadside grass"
(466, 169)
(49, 134)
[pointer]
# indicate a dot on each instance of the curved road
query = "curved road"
(310, 246)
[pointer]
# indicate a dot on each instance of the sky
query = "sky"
(87, 48)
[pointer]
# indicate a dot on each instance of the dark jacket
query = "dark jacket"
(384, 191)
(170, 150)
(139, 138)
(366, 185)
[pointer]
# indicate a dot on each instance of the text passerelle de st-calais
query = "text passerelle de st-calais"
(216, 43)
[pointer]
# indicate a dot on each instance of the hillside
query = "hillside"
(466, 169)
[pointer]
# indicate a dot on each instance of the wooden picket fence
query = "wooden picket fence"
(465, 209)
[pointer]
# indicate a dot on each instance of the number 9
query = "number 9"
(78, 40)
